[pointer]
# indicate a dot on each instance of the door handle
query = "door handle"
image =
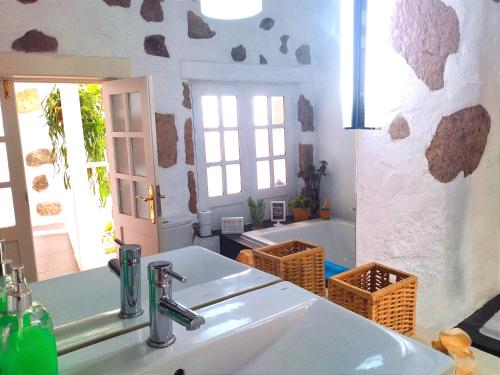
(152, 205)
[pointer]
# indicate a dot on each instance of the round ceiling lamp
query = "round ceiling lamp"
(230, 9)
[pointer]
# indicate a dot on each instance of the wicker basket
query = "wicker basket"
(379, 293)
(298, 262)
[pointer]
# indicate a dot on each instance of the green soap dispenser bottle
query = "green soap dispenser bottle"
(28, 341)
(5, 277)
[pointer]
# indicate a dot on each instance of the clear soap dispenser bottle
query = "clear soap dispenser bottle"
(28, 341)
(5, 277)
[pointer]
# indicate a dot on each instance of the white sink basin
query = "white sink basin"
(280, 329)
(84, 306)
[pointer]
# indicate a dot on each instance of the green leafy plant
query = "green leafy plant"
(300, 201)
(257, 209)
(312, 180)
(94, 131)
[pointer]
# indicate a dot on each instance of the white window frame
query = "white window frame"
(248, 161)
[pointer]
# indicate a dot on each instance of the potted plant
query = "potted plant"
(312, 180)
(301, 207)
(257, 209)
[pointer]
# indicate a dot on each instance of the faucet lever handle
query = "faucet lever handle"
(176, 276)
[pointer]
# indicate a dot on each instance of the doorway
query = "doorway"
(62, 135)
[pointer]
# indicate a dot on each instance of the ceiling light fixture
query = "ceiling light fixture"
(230, 9)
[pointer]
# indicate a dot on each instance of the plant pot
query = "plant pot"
(301, 214)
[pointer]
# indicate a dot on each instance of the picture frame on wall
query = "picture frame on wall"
(278, 211)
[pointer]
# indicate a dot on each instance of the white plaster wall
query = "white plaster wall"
(446, 234)
(92, 28)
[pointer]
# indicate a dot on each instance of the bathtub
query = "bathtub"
(336, 236)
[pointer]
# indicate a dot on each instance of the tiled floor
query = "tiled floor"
(54, 255)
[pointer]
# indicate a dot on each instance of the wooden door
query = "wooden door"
(130, 146)
(15, 221)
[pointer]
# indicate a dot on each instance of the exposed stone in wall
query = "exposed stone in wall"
(40, 183)
(262, 60)
(49, 208)
(155, 45)
(27, 101)
(284, 44)
(193, 198)
(35, 41)
(186, 93)
(40, 157)
(197, 28)
(425, 33)
(239, 53)
(267, 23)
(119, 3)
(306, 156)
(188, 141)
(399, 128)
(27, 1)
(151, 10)
(305, 114)
(303, 54)
(458, 143)
(166, 139)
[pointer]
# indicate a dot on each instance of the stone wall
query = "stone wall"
(427, 190)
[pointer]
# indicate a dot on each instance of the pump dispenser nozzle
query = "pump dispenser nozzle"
(19, 297)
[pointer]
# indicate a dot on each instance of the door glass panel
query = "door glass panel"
(214, 181)
(7, 215)
(260, 110)
(278, 115)
(261, 143)
(229, 112)
(118, 112)
(141, 207)
(212, 147)
(124, 197)
(279, 142)
(121, 155)
(279, 172)
(1, 124)
(138, 157)
(135, 111)
(210, 109)
(231, 145)
(263, 175)
(233, 178)
(4, 165)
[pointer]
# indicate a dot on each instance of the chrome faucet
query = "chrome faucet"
(129, 271)
(163, 309)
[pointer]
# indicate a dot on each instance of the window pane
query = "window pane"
(121, 156)
(233, 178)
(214, 181)
(263, 175)
(141, 207)
(231, 145)
(7, 216)
(118, 111)
(229, 112)
(210, 108)
(124, 199)
(4, 165)
(135, 111)
(1, 124)
(261, 143)
(260, 110)
(278, 115)
(279, 172)
(278, 142)
(212, 147)
(138, 157)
